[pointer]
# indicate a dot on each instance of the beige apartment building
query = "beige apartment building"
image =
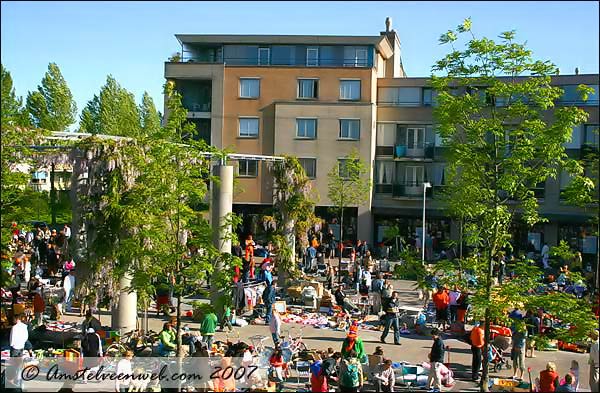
(320, 97)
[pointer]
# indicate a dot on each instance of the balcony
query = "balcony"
(418, 151)
(410, 190)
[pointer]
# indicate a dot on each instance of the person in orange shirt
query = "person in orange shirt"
(477, 341)
(441, 299)
(249, 259)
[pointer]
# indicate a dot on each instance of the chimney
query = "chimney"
(388, 24)
(576, 70)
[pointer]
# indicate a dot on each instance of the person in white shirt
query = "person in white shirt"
(545, 255)
(67, 231)
(68, 287)
(453, 295)
(594, 362)
(385, 378)
(124, 368)
(18, 337)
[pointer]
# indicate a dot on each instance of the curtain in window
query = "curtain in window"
(386, 134)
(388, 95)
(384, 172)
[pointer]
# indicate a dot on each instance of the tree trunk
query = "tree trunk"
(179, 324)
(52, 194)
(341, 245)
(484, 386)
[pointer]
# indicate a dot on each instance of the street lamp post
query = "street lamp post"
(426, 185)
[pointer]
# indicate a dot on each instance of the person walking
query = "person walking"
(268, 297)
(517, 353)
(208, 328)
(275, 326)
(594, 362)
(441, 301)
(18, 337)
(391, 319)
(477, 341)
(69, 288)
(377, 289)
(436, 360)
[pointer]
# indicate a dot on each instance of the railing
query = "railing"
(404, 103)
(418, 150)
(198, 106)
(352, 62)
(410, 189)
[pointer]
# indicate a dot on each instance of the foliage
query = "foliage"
(504, 136)
(112, 112)
(52, 106)
(293, 204)
(150, 119)
(348, 184)
(563, 252)
(175, 57)
(16, 137)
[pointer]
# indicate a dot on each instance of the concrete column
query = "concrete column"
(365, 224)
(124, 316)
(221, 204)
(551, 234)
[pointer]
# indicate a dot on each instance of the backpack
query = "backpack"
(351, 376)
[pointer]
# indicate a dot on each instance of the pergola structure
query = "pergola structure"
(221, 205)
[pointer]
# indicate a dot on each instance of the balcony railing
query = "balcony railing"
(420, 150)
(255, 61)
(410, 189)
(197, 106)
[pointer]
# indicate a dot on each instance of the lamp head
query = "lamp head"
(427, 185)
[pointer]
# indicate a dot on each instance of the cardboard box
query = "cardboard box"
(318, 286)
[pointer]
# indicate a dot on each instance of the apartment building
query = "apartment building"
(409, 153)
(309, 96)
(318, 98)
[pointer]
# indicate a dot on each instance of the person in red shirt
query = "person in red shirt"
(277, 365)
(477, 341)
(441, 299)
(548, 380)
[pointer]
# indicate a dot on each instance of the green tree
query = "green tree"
(293, 204)
(112, 112)
(500, 141)
(348, 185)
(15, 157)
(150, 119)
(52, 106)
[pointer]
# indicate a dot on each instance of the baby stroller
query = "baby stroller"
(496, 359)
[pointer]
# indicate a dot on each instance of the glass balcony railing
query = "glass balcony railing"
(420, 150)
(410, 189)
(197, 106)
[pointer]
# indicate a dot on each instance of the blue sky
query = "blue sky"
(131, 40)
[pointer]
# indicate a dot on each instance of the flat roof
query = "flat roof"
(276, 39)
(380, 42)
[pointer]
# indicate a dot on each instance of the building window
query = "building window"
(249, 127)
(264, 55)
(349, 90)
(308, 88)
(350, 129)
(355, 56)
(384, 176)
(591, 135)
(247, 168)
(249, 88)
(310, 166)
(414, 176)
(575, 142)
(306, 128)
(312, 57)
(343, 170)
(401, 96)
(572, 96)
